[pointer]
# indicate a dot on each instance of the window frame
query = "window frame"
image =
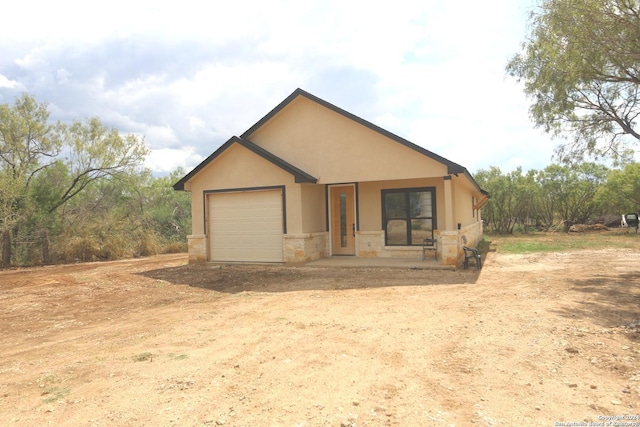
(407, 218)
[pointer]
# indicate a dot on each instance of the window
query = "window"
(408, 215)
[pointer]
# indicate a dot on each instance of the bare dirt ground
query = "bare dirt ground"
(538, 339)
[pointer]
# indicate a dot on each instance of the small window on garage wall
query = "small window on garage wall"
(408, 215)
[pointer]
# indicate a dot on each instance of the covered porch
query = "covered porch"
(382, 219)
(370, 248)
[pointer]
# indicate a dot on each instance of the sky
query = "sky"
(188, 75)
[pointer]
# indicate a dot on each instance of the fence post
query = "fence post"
(6, 249)
(44, 235)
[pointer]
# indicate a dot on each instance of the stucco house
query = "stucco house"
(311, 180)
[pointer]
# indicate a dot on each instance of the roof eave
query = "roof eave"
(452, 167)
(299, 175)
(180, 185)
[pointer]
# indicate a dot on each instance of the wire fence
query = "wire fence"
(42, 248)
(26, 250)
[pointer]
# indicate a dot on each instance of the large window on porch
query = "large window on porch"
(408, 215)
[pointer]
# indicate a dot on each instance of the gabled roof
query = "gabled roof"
(299, 175)
(244, 139)
(452, 167)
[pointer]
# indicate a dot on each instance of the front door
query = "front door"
(343, 220)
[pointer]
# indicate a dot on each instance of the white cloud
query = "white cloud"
(6, 82)
(430, 71)
(168, 159)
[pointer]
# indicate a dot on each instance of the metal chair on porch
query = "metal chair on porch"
(430, 244)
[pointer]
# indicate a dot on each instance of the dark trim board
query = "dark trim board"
(326, 207)
(452, 167)
(357, 202)
(299, 175)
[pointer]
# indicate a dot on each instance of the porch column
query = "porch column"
(449, 233)
(448, 204)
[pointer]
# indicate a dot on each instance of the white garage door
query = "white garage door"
(246, 226)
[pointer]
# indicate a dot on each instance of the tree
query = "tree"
(581, 67)
(28, 145)
(559, 194)
(95, 152)
(526, 189)
(45, 167)
(510, 198)
(568, 194)
(168, 211)
(121, 216)
(621, 193)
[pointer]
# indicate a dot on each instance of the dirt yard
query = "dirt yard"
(546, 340)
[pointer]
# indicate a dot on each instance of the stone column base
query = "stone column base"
(197, 248)
(300, 248)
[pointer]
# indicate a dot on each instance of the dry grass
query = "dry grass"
(622, 238)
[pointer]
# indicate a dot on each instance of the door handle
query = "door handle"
(353, 229)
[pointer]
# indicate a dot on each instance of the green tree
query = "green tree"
(169, 211)
(568, 195)
(123, 216)
(73, 180)
(28, 145)
(510, 198)
(45, 191)
(95, 152)
(581, 67)
(621, 193)
(526, 210)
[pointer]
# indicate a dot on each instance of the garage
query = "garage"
(245, 226)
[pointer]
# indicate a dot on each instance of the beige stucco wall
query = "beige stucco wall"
(464, 196)
(313, 209)
(336, 149)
